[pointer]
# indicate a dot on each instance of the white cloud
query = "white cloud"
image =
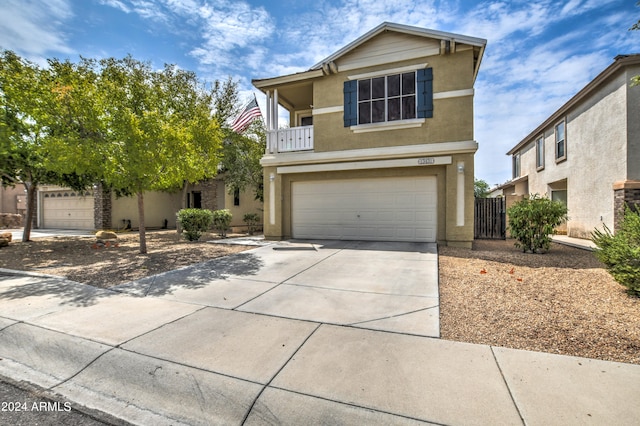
(116, 4)
(34, 27)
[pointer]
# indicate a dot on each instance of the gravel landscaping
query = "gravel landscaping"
(560, 302)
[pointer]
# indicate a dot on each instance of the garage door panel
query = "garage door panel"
(67, 210)
(389, 209)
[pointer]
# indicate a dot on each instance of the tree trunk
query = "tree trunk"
(141, 228)
(31, 209)
(185, 187)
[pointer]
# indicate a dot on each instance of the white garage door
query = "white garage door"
(67, 210)
(384, 209)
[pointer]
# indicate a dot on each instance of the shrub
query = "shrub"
(221, 221)
(532, 221)
(194, 222)
(620, 252)
(252, 220)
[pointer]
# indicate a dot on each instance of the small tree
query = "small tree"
(481, 188)
(532, 221)
(620, 252)
(194, 222)
(221, 221)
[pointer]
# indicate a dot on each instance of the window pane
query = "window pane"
(408, 83)
(377, 111)
(377, 88)
(408, 107)
(560, 149)
(393, 109)
(393, 85)
(364, 113)
(364, 90)
(560, 132)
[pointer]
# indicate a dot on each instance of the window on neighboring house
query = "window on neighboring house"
(236, 197)
(561, 141)
(540, 153)
(380, 99)
(516, 165)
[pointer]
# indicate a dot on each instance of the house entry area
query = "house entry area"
(378, 209)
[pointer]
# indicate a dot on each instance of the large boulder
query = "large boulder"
(106, 235)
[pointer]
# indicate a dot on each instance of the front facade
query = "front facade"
(380, 143)
(587, 154)
(64, 208)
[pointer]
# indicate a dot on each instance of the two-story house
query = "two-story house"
(380, 143)
(587, 153)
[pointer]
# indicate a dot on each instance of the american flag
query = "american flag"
(242, 121)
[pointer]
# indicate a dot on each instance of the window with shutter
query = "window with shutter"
(402, 96)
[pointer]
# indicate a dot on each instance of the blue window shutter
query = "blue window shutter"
(425, 93)
(350, 103)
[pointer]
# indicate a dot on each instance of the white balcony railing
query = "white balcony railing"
(290, 140)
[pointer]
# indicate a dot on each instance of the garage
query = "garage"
(381, 209)
(67, 209)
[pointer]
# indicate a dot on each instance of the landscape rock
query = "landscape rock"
(7, 236)
(106, 235)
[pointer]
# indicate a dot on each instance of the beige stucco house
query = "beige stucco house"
(380, 141)
(587, 153)
(64, 208)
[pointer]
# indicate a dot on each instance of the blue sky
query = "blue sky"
(539, 53)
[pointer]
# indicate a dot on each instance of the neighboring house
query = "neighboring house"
(380, 144)
(13, 200)
(64, 208)
(587, 153)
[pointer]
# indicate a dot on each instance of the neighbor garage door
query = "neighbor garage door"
(383, 209)
(67, 210)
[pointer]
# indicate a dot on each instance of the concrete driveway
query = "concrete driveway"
(290, 333)
(375, 285)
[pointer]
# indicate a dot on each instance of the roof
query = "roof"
(316, 70)
(619, 62)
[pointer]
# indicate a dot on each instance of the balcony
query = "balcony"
(290, 140)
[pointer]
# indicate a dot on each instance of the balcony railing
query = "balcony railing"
(290, 140)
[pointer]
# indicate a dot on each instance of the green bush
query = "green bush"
(221, 221)
(532, 221)
(252, 220)
(620, 252)
(194, 222)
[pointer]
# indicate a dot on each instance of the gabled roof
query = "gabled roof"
(317, 69)
(406, 29)
(619, 62)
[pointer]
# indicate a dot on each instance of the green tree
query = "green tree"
(481, 189)
(532, 221)
(241, 153)
(26, 94)
(158, 130)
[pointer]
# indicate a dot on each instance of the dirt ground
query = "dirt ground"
(560, 302)
(77, 258)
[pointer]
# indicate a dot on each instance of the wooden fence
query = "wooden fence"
(490, 219)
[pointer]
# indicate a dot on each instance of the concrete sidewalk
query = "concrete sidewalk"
(291, 333)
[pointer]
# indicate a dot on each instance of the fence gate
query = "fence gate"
(490, 219)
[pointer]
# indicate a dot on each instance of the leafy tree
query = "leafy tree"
(620, 252)
(241, 153)
(532, 221)
(481, 189)
(26, 94)
(158, 129)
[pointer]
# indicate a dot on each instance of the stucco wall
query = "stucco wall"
(158, 206)
(596, 136)
(452, 117)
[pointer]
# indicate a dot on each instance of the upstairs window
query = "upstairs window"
(394, 97)
(516, 166)
(387, 98)
(540, 153)
(561, 141)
